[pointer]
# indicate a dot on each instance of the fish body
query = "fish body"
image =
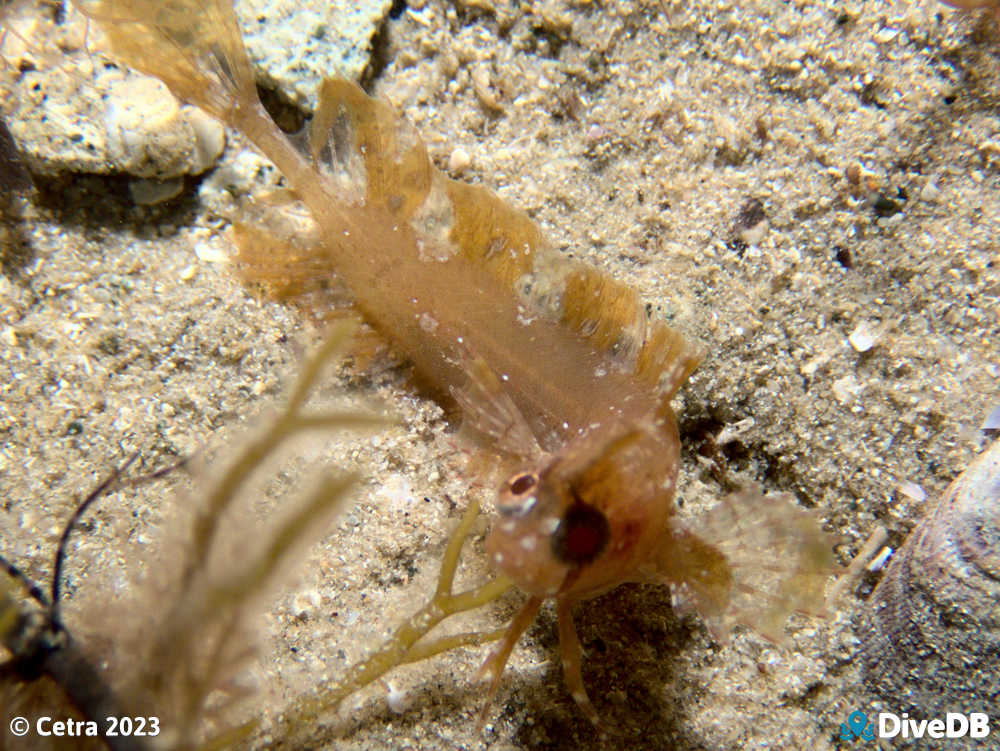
(554, 364)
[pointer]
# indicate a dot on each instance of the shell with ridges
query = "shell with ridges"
(932, 632)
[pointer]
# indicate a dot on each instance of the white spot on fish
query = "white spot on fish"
(428, 323)
(529, 543)
(549, 525)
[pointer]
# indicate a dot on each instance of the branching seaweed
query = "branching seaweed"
(193, 651)
(188, 658)
(405, 645)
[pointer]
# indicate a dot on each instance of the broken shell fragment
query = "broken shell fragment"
(931, 632)
(864, 337)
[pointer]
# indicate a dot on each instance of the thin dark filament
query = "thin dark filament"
(34, 591)
(51, 605)
(68, 530)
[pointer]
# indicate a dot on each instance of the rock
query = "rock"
(67, 120)
(295, 44)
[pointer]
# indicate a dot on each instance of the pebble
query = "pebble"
(151, 192)
(845, 389)
(459, 161)
(67, 121)
(930, 191)
(210, 252)
(912, 491)
(396, 698)
(864, 337)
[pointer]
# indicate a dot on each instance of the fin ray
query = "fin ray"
(723, 575)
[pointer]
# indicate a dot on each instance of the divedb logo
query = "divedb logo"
(889, 725)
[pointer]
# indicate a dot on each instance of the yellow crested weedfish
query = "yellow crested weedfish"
(554, 363)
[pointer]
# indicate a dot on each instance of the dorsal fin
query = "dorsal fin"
(491, 233)
(611, 316)
(352, 130)
(363, 145)
(369, 151)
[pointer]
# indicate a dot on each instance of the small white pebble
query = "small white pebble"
(912, 491)
(304, 602)
(864, 337)
(879, 560)
(847, 388)
(731, 432)
(188, 273)
(210, 252)
(396, 699)
(459, 161)
(886, 35)
(930, 191)
(992, 421)
(594, 134)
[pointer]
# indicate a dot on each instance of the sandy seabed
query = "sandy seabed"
(851, 337)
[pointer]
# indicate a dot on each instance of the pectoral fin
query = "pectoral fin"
(488, 409)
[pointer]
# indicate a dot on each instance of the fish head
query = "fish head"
(584, 519)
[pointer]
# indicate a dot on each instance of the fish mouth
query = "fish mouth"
(526, 559)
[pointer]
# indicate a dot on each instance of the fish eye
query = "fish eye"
(581, 536)
(518, 497)
(522, 483)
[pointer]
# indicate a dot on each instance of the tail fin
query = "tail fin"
(753, 560)
(193, 46)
